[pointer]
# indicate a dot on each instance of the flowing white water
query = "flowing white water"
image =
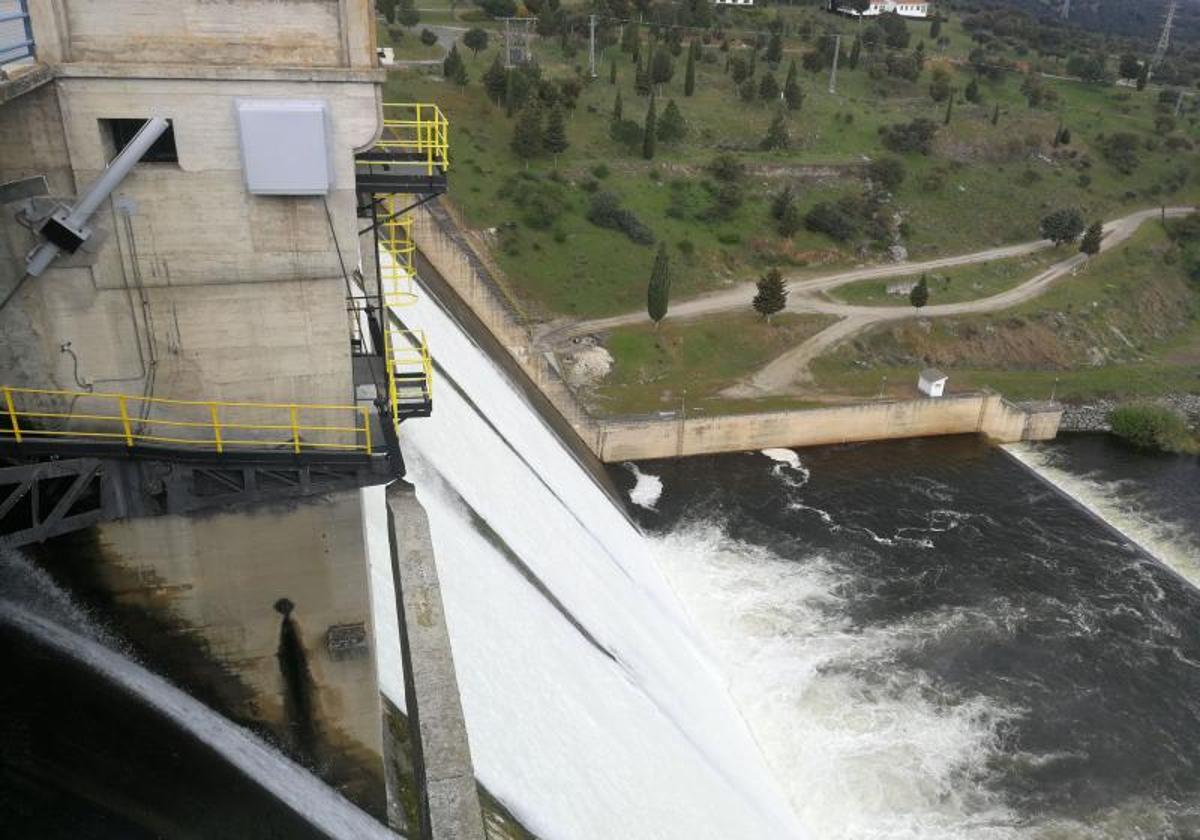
(595, 713)
(287, 781)
(1165, 541)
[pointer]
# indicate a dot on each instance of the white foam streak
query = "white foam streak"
(878, 758)
(1167, 543)
(578, 743)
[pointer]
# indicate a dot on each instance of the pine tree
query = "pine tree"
(629, 37)
(659, 292)
(747, 89)
(919, 296)
(649, 131)
(671, 128)
(689, 78)
(768, 88)
(527, 133)
(554, 140)
(777, 134)
(612, 72)
(617, 109)
(855, 52)
(453, 67)
(495, 81)
(793, 94)
(662, 68)
(1091, 239)
(772, 294)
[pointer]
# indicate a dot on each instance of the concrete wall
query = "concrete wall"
(448, 251)
(987, 414)
(217, 579)
(298, 33)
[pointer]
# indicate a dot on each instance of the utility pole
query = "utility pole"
(837, 49)
(1164, 40)
(1066, 9)
(592, 45)
(1179, 103)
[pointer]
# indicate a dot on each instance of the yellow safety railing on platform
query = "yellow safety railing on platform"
(396, 240)
(409, 366)
(29, 414)
(418, 131)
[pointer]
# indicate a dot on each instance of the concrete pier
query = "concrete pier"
(449, 801)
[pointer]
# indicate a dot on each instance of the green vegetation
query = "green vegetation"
(1127, 325)
(1153, 427)
(653, 367)
(954, 285)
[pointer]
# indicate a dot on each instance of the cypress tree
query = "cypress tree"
(659, 292)
(777, 134)
(949, 107)
(972, 92)
(792, 92)
(1143, 76)
(649, 131)
(616, 112)
(689, 78)
(527, 133)
(554, 140)
(641, 79)
(996, 114)
(768, 88)
(612, 72)
(936, 29)
(495, 81)
(855, 52)
(772, 294)
(671, 127)
(629, 37)
(1091, 239)
(775, 49)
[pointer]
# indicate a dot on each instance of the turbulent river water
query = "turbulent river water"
(929, 640)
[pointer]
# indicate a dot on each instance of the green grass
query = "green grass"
(956, 284)
(653, 368)
(1130, 304)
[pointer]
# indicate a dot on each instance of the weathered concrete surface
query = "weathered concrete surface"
(217, 580)
(449, 806)
(465, 275)
(987, 414)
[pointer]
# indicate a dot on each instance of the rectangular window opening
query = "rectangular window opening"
(118, 132)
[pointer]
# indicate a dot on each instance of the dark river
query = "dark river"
(928, 640)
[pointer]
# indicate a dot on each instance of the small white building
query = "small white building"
(932, 382)
(733, 2)
(904, 8)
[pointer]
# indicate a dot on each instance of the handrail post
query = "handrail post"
(12, 413)
(216, 422)
(295, 429)
(366, 416)
(125, 420)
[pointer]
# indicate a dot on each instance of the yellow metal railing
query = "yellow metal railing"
(419, 131)
(410, 369)
(218, 425)
(396, 239)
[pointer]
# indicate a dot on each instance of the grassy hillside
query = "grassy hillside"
(982, 184)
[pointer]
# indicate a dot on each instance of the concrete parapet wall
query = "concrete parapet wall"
(447, 250)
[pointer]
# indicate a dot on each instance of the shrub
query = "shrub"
(915, 136)
(1152, 427)
(887, 172)
(542, 203)
(1120, 150)
(605, 211)
(832, 220)
(499, 8)
(600, 171)
(428, 37)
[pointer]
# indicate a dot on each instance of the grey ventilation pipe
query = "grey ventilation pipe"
(66, 229)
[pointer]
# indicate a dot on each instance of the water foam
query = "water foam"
(647, 491)
(865, 750)
(1115, 504)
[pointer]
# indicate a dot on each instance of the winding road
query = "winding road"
(791, 368)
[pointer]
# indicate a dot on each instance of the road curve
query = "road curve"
(802, 297)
